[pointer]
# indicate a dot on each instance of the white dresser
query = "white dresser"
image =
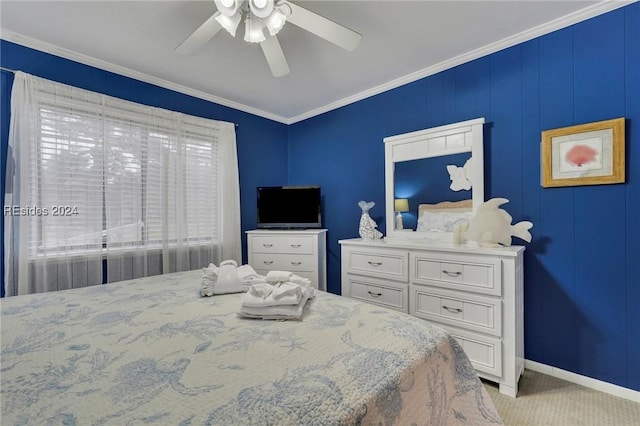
(303, 252)
(476, 294)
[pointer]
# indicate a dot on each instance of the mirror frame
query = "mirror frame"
(456, 138)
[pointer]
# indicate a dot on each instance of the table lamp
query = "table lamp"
(400, 205)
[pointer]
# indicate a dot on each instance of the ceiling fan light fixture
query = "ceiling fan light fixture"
(275, 22)
(253, 30)
(230, 23)
(261, 8)
(228, 7)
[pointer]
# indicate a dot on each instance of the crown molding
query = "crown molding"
(546, 28)
(127, 72)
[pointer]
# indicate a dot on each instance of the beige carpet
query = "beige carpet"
(545, 400)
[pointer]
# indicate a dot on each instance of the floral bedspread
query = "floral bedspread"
(152, 350)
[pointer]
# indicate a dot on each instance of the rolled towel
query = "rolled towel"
(261, 290)
(229, 262)
(265, 295)
(305, 282)
(278, 276)
(248, 275)
(299, 280)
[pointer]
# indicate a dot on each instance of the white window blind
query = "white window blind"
(112, 176)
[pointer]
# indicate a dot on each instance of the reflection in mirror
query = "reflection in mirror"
(427, 181)
(418, 162)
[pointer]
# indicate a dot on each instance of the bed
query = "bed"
(152, 351)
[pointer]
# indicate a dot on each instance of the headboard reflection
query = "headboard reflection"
(448, 147)
(442, 217)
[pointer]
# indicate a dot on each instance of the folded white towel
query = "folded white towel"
(209, 277)
(206, 289)
(265, 295)
(305, 282)
(228, 280)
(274, 277)
(211, 271)
(269, 317)
(221, 280)
(275, 312)
(261, 290)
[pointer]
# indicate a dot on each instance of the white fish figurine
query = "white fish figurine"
(367, 225)
(491, 226)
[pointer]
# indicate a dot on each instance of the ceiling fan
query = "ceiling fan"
(272, 15)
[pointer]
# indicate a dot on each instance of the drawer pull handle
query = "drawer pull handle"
(374, 294)
(267, 245)
(454, 310)
(267, 262)
(296, 263)
(296, 245)
(452, 274)
(374, 264)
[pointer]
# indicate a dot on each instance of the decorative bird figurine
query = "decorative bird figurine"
(491, 225)
(367, 225)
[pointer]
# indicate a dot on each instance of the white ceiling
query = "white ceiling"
(401, 42)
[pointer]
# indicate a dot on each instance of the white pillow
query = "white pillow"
(441, 221)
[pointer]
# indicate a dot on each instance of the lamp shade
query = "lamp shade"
(228, 7)
(230, 23)
(401, 205)
(253, 30)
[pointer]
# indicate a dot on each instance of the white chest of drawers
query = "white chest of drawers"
(302, 252)
(476, 294)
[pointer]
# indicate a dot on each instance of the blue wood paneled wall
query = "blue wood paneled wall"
(582, 280)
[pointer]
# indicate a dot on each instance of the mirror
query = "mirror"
(416, 169)
(427, 181)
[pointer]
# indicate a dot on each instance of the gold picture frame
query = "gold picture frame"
(586, 154)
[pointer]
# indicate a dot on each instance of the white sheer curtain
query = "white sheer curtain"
(102, 189)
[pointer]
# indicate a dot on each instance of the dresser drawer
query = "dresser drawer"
(292, 244)
(377, 292)
(379, 263)
(463, 310)
(283, 262)
(485, 353)
(466, 273)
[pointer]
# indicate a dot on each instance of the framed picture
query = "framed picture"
(587, 154)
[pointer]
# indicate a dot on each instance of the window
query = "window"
(100, 175)
(122, 180)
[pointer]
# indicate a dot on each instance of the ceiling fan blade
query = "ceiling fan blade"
(275, 56)
(323, 27)
(200, 36)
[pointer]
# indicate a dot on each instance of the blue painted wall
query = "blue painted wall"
(262, 143)
(582, 279)
(582, 285)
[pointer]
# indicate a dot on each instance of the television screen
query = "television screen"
(286, 207)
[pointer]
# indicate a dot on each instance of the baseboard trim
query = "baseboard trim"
(585, 381)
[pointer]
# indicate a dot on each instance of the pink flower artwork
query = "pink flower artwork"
(580, 155)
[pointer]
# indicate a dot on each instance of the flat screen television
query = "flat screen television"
(289, 207)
